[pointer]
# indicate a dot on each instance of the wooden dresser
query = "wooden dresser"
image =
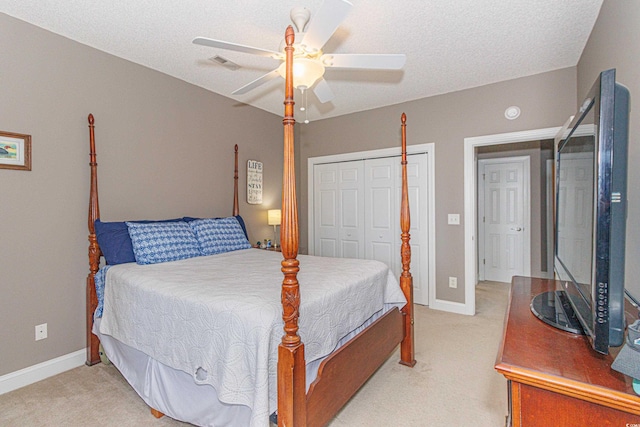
(554, 377)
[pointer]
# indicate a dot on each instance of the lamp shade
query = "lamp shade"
(305, 72)
(273, 216)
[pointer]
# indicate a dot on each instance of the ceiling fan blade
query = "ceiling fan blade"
(325, 22)
(257, 82)
(365, 61)
(322, 91)
(237, 47)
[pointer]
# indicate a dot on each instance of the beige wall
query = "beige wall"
(615, 43)
(165, 149)
(546, 100)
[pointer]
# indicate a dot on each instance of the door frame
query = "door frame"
(526, 241)
(427, 148)
(470, 203)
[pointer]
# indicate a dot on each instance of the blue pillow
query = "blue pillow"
(244, 227)
(114, 241)
(238, 217)
(162, 241)
(218, 235)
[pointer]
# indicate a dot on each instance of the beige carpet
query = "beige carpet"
(452, 384)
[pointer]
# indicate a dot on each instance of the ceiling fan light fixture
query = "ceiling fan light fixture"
(306, 72)
(309, 61)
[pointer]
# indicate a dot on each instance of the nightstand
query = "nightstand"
(278, 249)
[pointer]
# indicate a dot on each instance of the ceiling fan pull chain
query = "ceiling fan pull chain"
(303, 92)
(306, 110)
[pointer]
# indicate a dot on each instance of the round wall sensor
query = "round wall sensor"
(512, 112)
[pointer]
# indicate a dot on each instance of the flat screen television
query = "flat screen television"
(590, 219)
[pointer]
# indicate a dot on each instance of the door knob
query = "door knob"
(516, 228)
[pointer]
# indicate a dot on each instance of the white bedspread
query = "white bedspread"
(219, 317)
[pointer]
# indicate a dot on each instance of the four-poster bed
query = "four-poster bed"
(312, 387)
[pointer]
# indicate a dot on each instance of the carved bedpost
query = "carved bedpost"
(291, 363)
(93, 355)
(407, 351)
(236, 209)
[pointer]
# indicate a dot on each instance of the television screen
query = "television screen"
(575, 214)
(590, 219)
(591, 211)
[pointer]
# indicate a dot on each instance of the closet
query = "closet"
(356, 213)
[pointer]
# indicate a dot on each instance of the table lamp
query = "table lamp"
(274, 218)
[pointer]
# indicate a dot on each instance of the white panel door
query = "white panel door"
(326, 204)
(383, 194)
(357, 213)
(505, 219)
(381, 217)
(351, 209)
(339, 210)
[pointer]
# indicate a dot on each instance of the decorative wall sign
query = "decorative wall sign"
(254, 182)
(15, 151)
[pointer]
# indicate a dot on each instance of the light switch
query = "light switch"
(454, 219)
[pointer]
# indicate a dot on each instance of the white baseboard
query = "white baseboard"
(450, 306)
(39, 372)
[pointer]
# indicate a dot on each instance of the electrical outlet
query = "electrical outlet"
(453, 219)
(453, 282)
(41, 332)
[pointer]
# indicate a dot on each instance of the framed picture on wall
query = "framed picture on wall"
(15, 151)
(254, 182)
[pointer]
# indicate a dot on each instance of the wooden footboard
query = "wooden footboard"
(346, 370)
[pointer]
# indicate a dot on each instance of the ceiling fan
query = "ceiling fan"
(310, 61)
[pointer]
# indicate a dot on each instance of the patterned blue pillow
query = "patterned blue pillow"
(114, 241)
(162, 241)
(219, 235)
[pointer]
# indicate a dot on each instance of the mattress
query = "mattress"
(218, 318)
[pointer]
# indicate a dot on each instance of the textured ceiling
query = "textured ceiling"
(450, 45)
